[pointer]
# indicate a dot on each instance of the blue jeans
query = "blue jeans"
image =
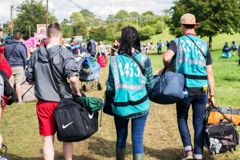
(138, 125)
(198, 105)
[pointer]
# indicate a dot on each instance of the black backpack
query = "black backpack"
(221, 137)
(74, 123)
(91, 47)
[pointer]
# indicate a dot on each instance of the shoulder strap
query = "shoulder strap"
(138, 63)
(12, 51)
(196, 46)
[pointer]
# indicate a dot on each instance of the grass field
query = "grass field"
(19, 125)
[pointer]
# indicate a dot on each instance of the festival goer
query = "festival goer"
(101, 49)
(195, 63)
(226, 51)
(50, 69)
(159, 47)
(115, 47)
(16, 54)
(234, 48)
(125, 87)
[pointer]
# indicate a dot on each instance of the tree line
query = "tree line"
(214, 17)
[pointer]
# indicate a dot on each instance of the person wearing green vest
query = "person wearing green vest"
(193, 59)
(129, 81)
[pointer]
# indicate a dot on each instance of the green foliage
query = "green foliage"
(67, 29)
(31, 13)
(85, 23)
(147, 32)
(98, 34)
(218, 16)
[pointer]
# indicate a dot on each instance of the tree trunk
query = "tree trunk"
(210, 42)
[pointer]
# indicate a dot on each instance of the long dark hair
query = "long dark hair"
(130, 39)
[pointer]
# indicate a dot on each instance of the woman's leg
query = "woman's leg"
(122, 132)
(138, 125)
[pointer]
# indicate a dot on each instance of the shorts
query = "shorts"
(46, 120)
(17, 75)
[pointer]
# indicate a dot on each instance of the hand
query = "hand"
(211, 101)
(160, 72)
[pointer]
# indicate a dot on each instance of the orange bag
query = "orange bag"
(217, 114)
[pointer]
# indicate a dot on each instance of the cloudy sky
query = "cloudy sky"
(64, 8)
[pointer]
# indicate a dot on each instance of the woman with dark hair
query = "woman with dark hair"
(129, 81)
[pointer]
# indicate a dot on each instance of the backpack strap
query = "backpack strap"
(197, 46)
(138, 63)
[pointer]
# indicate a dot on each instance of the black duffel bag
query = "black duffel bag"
(220, 138)
(74, 123)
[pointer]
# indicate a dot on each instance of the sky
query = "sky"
(102, 8)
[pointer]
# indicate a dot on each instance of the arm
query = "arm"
(167, 57)
(211, 85)
(23, 52)
(30, 69)
(149, 75)
(70, 70)
(74, 82)
(210, 80)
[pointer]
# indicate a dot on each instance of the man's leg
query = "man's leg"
(182, 119)
(199, 106)
(48, 149)
(18, 80)
(19, 92)
(68, 150)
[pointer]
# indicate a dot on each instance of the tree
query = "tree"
(66, 28)
(146, 32)
(215, 17)
(31, 13)
(122, 14)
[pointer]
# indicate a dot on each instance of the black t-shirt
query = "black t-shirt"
(173, 47)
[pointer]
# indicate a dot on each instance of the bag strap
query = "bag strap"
(196, 46)
(12, 51)
(54, 76)
(5, 147)
(138, 63)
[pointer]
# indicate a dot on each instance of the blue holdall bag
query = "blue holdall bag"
(168, 88)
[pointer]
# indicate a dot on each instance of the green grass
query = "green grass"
(19, 125)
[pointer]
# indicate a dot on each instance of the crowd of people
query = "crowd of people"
(53, 70)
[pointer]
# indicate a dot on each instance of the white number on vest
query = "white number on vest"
(129, 70)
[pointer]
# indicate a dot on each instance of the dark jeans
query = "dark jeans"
(198, 105)
(138, 125)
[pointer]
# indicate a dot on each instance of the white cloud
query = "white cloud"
(64, 8)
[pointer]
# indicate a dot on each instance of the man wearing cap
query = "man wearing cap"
(191, 56)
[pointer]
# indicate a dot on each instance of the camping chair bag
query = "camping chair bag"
(168, 88)
(220, 138)
(74, 123)
(215, 115)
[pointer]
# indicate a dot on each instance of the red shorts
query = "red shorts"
(46, 121)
